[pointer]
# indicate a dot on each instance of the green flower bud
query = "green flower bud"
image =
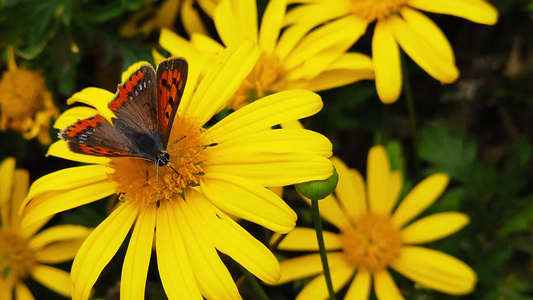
(318, 189)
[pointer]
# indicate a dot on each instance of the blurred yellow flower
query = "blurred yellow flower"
(24, 253)
(298, 57)
(373, 237)
(26, 105)
(152, 17)
(398, 22)
(188, 212)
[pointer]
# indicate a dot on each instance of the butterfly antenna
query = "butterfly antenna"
(191, 147)
(176, 141)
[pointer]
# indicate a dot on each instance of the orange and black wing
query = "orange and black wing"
(171, 79)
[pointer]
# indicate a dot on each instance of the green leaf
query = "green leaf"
(520, 222)
(448, 151)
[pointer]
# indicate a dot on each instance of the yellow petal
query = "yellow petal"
(172, 260)
(436, 270)
(177, 45)
(97, 98)
(56, 234)
(423, 51)
(360, 287)
(394, 187)
(261, 206)
(245, 13)
(59, 252)
(387, 67)
(6, 289)
(57, 201)
(331, 211)
(344, 32)
(317, 13)
(137, 259)
(20, 189)
(222, 81)
(317, 289)
(385, 287)
(304, 239)
(7, 170)
(22, 292)
(276, 141)
(275, 170)
(99, 248)
(330, 79)
(192, 22)
(318, 63)
(265, 113)
(478, 11)
(212, 276)
(34, 227)
(55, 279)
(207, 44)
(60, 149)
(232, 240)
(420, 198)
(158, 57)
(291, 37)
(308, 265)
(67, 179)
(208, 6)
(271, 25)
(428, 31)
(72, 115)
(227, 24)
(350, 191)
(434, 227)
(378, 170)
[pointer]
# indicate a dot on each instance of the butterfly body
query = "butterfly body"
(145, 106)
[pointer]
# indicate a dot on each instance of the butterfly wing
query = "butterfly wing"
(133, 133)
(171, 77)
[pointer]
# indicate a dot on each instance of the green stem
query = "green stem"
(322, 248)
(254, 283)
(408, 93)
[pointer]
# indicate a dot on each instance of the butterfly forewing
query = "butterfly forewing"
(171, 77)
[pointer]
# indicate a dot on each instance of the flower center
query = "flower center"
(142, 181)
(16, 258)
(371, 10)
(266, 78)
(372, 244)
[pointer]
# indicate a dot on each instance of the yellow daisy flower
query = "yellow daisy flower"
(151, 17)
(398, 22)
(24, 252)
(297, 58)
(190, 221)
(372, 237)
(26, 105)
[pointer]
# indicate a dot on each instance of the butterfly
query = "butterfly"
(145, 106)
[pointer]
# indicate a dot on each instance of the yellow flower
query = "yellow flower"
(190, 221)
(399, 23)
(26, 105)
(373, 238)
(151, 17)
(25, 253)
(297, 58)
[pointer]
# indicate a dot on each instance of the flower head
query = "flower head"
(398, 22)
(373, 238)
(297, 58)
(26, 105)
(187, 211)
(24, 252)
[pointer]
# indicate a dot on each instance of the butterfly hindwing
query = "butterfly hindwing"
(96, 136)
(171, 78)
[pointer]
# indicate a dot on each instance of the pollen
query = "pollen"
(371, 10)
(372, 244)
(26, 105)
(141, 181)
(267, 77)
(16, 258)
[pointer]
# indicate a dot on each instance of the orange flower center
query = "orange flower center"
(266, 78)
(372, 244)
(143, 182)
(16, 258)
(371, 10)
